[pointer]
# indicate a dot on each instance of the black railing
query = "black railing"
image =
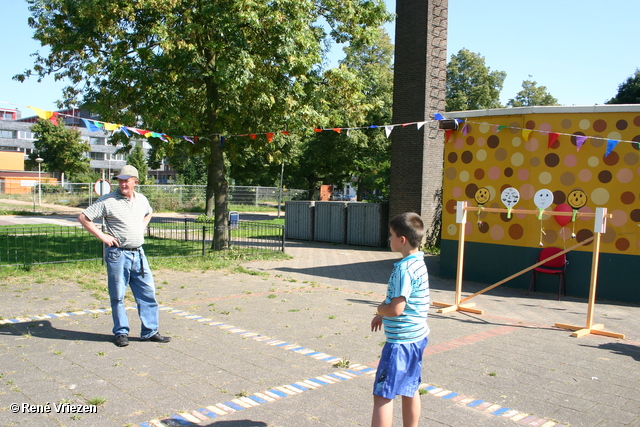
(27, 245)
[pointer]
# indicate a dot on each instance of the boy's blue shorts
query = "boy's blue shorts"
(399, 370)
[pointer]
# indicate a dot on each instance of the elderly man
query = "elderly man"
(127, 214)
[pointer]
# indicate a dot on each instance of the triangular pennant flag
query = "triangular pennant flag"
(448, 133)
(420, 124)
(373, 127)
(54, 118)
(388, 130)
(124, 130)
(253, 136)
(111, 126)
(186, 138)
(98, 124)
(337, 130)
(90, 126)
(580, 140)
(347, 132)
(165, 138)
(317, 130)
(438, 116)
(269, 136)
(41, 113)
(406, 124)
(286, 132)
(611, 144)
(465, 130)
(500, 128)
(553, 137)
(526, 133)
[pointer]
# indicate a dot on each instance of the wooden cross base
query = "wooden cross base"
(596, 329)
(448, 308)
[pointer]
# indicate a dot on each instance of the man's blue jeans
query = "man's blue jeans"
(125, 268)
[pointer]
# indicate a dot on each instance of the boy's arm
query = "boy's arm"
(394, 308)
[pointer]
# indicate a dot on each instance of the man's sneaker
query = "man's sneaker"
(158, 338)
(122, 340)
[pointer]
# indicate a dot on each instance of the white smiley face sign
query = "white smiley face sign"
(510, 196)
(543, 199)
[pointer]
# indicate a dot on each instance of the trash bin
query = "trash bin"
(234, 217)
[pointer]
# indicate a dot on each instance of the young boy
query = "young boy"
(404, 316)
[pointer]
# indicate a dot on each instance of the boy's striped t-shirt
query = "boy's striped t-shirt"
(409, 279)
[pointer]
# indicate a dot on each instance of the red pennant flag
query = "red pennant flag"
(269, 136)
(253, 136)
(337, 130)
(54, 118)
(286, 132)
(553, 137)
(317, 130)
(406, 124)
(448, 133)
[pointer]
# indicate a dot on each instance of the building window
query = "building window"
(97, 141)
(7, 134)
(96, 156)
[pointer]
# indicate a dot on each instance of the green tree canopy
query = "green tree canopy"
(628, 91)
(471, 85)
(61, 148)
(138, 160)
(532, 94)
(197, 68)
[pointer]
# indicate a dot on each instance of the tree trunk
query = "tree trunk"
(218, 195)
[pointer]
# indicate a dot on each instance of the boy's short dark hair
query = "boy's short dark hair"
(410, 226)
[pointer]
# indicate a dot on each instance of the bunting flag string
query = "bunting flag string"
(97, 125)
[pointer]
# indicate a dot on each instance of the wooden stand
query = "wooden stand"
(600, 227)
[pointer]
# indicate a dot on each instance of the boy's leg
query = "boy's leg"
(411, 410)
(382, 412)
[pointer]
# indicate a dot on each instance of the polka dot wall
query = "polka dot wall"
(500, 151)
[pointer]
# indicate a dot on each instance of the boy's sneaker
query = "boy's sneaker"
(122, 340)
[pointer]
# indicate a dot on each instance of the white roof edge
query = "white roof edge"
(554, 109)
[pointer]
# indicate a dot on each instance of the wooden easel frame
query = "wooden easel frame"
(600, 224)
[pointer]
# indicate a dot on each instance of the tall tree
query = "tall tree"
(138, 159)
(628, 91)
(471, 85)
(532, 94)
(197, 68)
(61, 149)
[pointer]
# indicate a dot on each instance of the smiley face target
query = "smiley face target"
(577, 199)
(482, 195)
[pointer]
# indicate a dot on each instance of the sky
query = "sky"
(581, 50)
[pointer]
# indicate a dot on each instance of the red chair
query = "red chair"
(557, 266)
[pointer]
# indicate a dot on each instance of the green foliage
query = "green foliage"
(628, 91)
(139, 161)
(532, 94)
(471, 85)
(206, 68)
(61, 148)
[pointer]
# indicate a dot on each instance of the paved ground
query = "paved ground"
(290, 345)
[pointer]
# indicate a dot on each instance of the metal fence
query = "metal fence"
(162, 197)
(171, 237)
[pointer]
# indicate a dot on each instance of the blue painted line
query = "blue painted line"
(299, 387)
(145, 425)
(278, 392)
(336, 377)
(367, 370)
(14, 321)
(180, 420)
(50, 316)
(281, 345)
(450, 396)
(296, 349)
(353, 372)
(329, 358)
(315, 380)
(313, 353)
(500, 411)
(234, 406)
(208, 413)
(475, 403)
(257, 399)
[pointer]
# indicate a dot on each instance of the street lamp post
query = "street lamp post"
(39, 160)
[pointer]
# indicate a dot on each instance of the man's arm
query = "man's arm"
(146, 220)
(93, 229)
